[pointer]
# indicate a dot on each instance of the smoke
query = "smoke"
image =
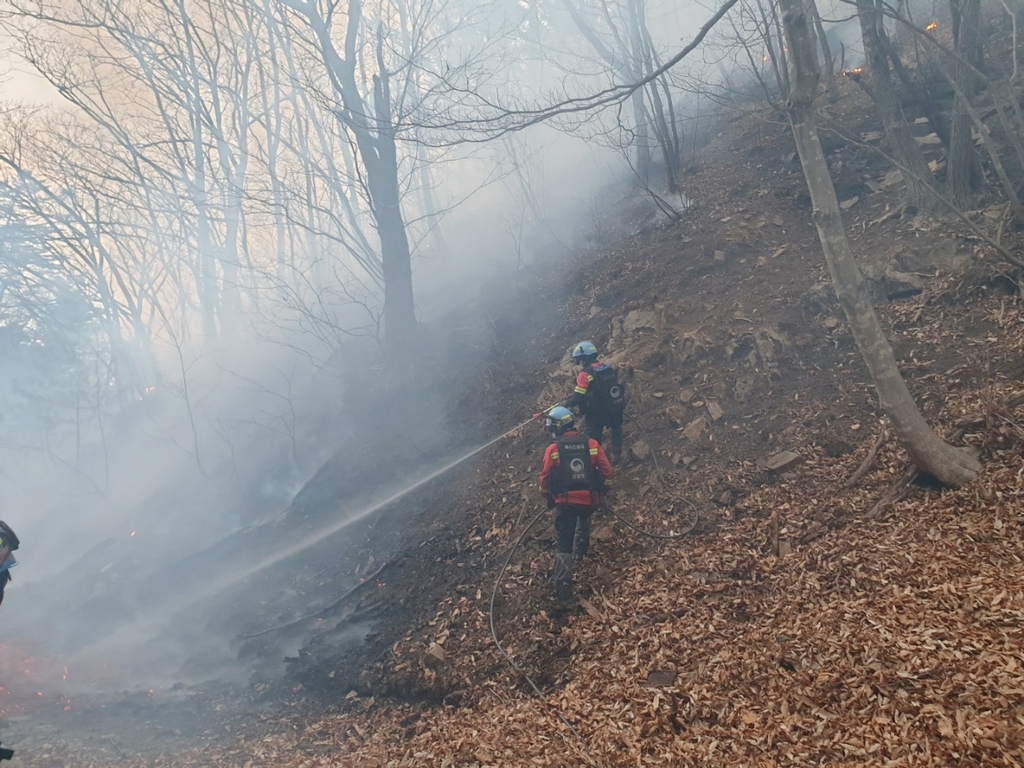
(196, 422)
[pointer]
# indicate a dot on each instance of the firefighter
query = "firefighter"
(599, 396)
(8, 543)
(574, 477)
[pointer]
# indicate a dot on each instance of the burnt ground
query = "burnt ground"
(733, 349)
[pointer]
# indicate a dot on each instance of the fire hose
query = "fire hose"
(515, 546)
(494, 634)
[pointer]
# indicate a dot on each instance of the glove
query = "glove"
(538, 416)
(550, 501)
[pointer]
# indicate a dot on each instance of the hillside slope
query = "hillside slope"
(838, 612)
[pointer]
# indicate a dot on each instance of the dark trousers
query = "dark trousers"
(596, 424)
(5, 576)
(567, 517)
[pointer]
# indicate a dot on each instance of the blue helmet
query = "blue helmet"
(559, 420)
(584, 350)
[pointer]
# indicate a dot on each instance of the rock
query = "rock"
(892, 178)
(639, 320)
(742, 388)
(676, 414)
(782, 461)
(820, 298)
(944, 256)
(715, 411)
(900, 284)
(695, 428)
(434, 653)
(641, 450)
(848, 204)
(660, 678)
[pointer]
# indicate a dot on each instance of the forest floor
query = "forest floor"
(836, 609)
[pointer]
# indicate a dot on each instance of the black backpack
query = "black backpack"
(575, 471)
(8, 537)
(607, 395)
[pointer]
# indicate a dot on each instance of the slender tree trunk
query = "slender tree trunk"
(826, 53)
(879, 86)
(375, 139)
(950, 465)
(964, 170)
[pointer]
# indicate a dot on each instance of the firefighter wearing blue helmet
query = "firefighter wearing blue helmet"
(574, 477)
(599, 396)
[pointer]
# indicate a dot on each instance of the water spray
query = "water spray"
(153, 626)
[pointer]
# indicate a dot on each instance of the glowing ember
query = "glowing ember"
(932, 27)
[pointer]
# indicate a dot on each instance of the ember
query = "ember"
(932, 27)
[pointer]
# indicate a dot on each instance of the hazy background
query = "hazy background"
(191, 283)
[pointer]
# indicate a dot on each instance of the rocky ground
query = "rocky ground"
(829, 606)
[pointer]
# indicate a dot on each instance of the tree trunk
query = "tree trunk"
(964, 169)
(375, 140)
(950, 465)
(826, 53)
(879, 86)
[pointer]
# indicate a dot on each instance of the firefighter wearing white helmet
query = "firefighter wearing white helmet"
(574, 477)
(599, 396)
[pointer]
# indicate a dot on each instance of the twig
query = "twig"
(329, 608)
(868, 461)
(897, 492)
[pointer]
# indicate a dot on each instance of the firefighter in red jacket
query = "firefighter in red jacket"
(573, 479)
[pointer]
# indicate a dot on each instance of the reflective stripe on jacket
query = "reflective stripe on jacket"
(598, 460)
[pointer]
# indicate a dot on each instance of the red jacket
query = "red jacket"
(576, 498)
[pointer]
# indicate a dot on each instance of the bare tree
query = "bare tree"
(366, 110)
(879, 86)
(964, 171)
(950, 465)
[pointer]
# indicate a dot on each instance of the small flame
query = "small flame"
(932, 27)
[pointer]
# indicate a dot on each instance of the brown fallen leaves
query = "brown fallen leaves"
(891, 643)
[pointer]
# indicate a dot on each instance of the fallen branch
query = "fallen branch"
(328, 609)
(865, 465)
(896, 492)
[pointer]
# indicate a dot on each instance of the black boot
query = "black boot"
(563, 577)
(582, 544)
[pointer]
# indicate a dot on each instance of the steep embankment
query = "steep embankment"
(828, 610)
